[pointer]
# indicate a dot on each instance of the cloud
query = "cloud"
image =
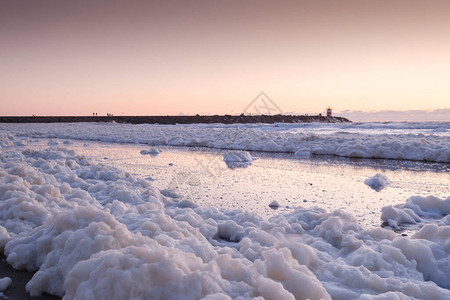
(438, 115)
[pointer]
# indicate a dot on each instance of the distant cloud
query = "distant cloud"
(438, 115)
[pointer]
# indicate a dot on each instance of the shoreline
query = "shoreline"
(223, 229)
(172, 120)
(20, 279)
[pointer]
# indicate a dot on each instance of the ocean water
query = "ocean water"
(403, 141)
(300, 216)
(383, 128)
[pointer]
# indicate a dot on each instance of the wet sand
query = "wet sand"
(16, 290)
(201, 176)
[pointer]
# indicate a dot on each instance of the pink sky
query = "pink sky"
(215, 57)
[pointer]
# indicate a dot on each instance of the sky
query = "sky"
(60, 57)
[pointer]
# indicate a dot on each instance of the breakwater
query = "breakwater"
(171, 120)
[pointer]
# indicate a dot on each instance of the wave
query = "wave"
(304, 139)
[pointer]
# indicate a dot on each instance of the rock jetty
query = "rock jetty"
(167, 120)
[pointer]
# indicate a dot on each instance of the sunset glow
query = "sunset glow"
(213, 57)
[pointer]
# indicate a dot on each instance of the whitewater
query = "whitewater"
(92, 230)
(400, 141)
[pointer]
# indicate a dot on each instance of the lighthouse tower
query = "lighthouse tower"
(329, 113)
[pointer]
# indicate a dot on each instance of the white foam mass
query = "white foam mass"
(372, 141)
(151, 151)
(237, 156)
(4, 238)
(415, 208)
(5, 282)
(53, 143)
(6, 139)
(377, 182)
(96, 232)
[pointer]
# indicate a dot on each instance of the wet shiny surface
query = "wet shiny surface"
(201, 175)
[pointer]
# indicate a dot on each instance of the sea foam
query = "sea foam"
(92, 231)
